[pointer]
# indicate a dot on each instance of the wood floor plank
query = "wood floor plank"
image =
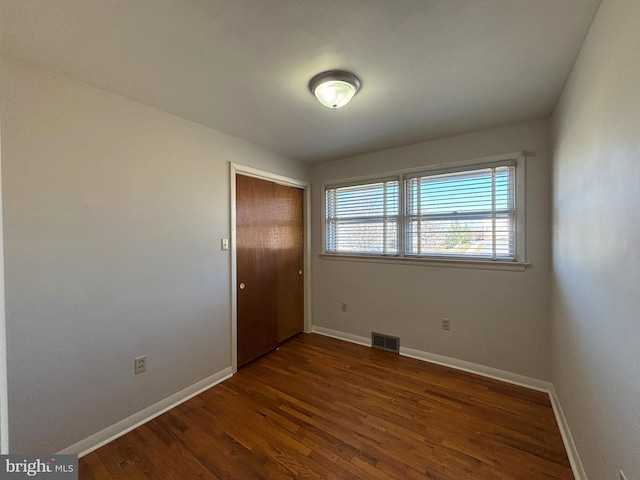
(320, 408)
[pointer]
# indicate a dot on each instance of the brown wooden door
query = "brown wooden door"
(269, 259)
(290, 255)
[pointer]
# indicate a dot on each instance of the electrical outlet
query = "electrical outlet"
(343, 307)
(446, 324)
(622, 477)
(140, 364)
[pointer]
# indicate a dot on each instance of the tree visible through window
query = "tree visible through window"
(461, 212)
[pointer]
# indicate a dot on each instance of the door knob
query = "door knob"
(242, 285)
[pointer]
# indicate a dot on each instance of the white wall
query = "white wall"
(113, 217)
(596, 255)
(499, 319)
(4, 412)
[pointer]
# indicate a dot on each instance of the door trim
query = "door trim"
(238, 169)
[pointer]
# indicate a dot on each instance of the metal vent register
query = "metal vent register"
(385, 342)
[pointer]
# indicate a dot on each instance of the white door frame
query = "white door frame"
(281, 180)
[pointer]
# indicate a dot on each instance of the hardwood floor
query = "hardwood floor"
(320, 408)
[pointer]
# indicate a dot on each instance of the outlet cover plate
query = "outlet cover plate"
(140, 364)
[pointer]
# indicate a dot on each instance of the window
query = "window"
(468, 210)
(468, 214)
(363, 218)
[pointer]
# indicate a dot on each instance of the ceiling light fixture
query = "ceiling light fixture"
(334, 88)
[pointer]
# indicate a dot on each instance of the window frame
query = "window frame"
(518, 263)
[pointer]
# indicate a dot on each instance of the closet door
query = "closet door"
(290, 259)
(269, 241)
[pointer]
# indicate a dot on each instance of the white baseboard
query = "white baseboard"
(569, 445)
(477, 369)
(97, 440)
(451, 362)
(342, 336)
(490, 372)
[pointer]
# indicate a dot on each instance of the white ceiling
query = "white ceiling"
(429, 68)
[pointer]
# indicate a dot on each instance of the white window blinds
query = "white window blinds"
(363, 218)
(467, 213)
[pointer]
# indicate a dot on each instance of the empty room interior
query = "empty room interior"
(322, 239)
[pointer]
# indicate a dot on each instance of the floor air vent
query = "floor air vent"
(385, 342)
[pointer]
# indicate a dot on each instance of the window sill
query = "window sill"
(432, 262)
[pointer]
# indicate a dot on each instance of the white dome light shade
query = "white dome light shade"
(334, 93)
(335, 88)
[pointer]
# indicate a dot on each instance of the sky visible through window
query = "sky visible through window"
(449, 214)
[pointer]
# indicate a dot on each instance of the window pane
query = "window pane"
(363, 219)
(461, 214)
(504, 189)
(366, 237)
(456, 192)
(360, 201)
(451, 238)
(505, 236)
(456, 214)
